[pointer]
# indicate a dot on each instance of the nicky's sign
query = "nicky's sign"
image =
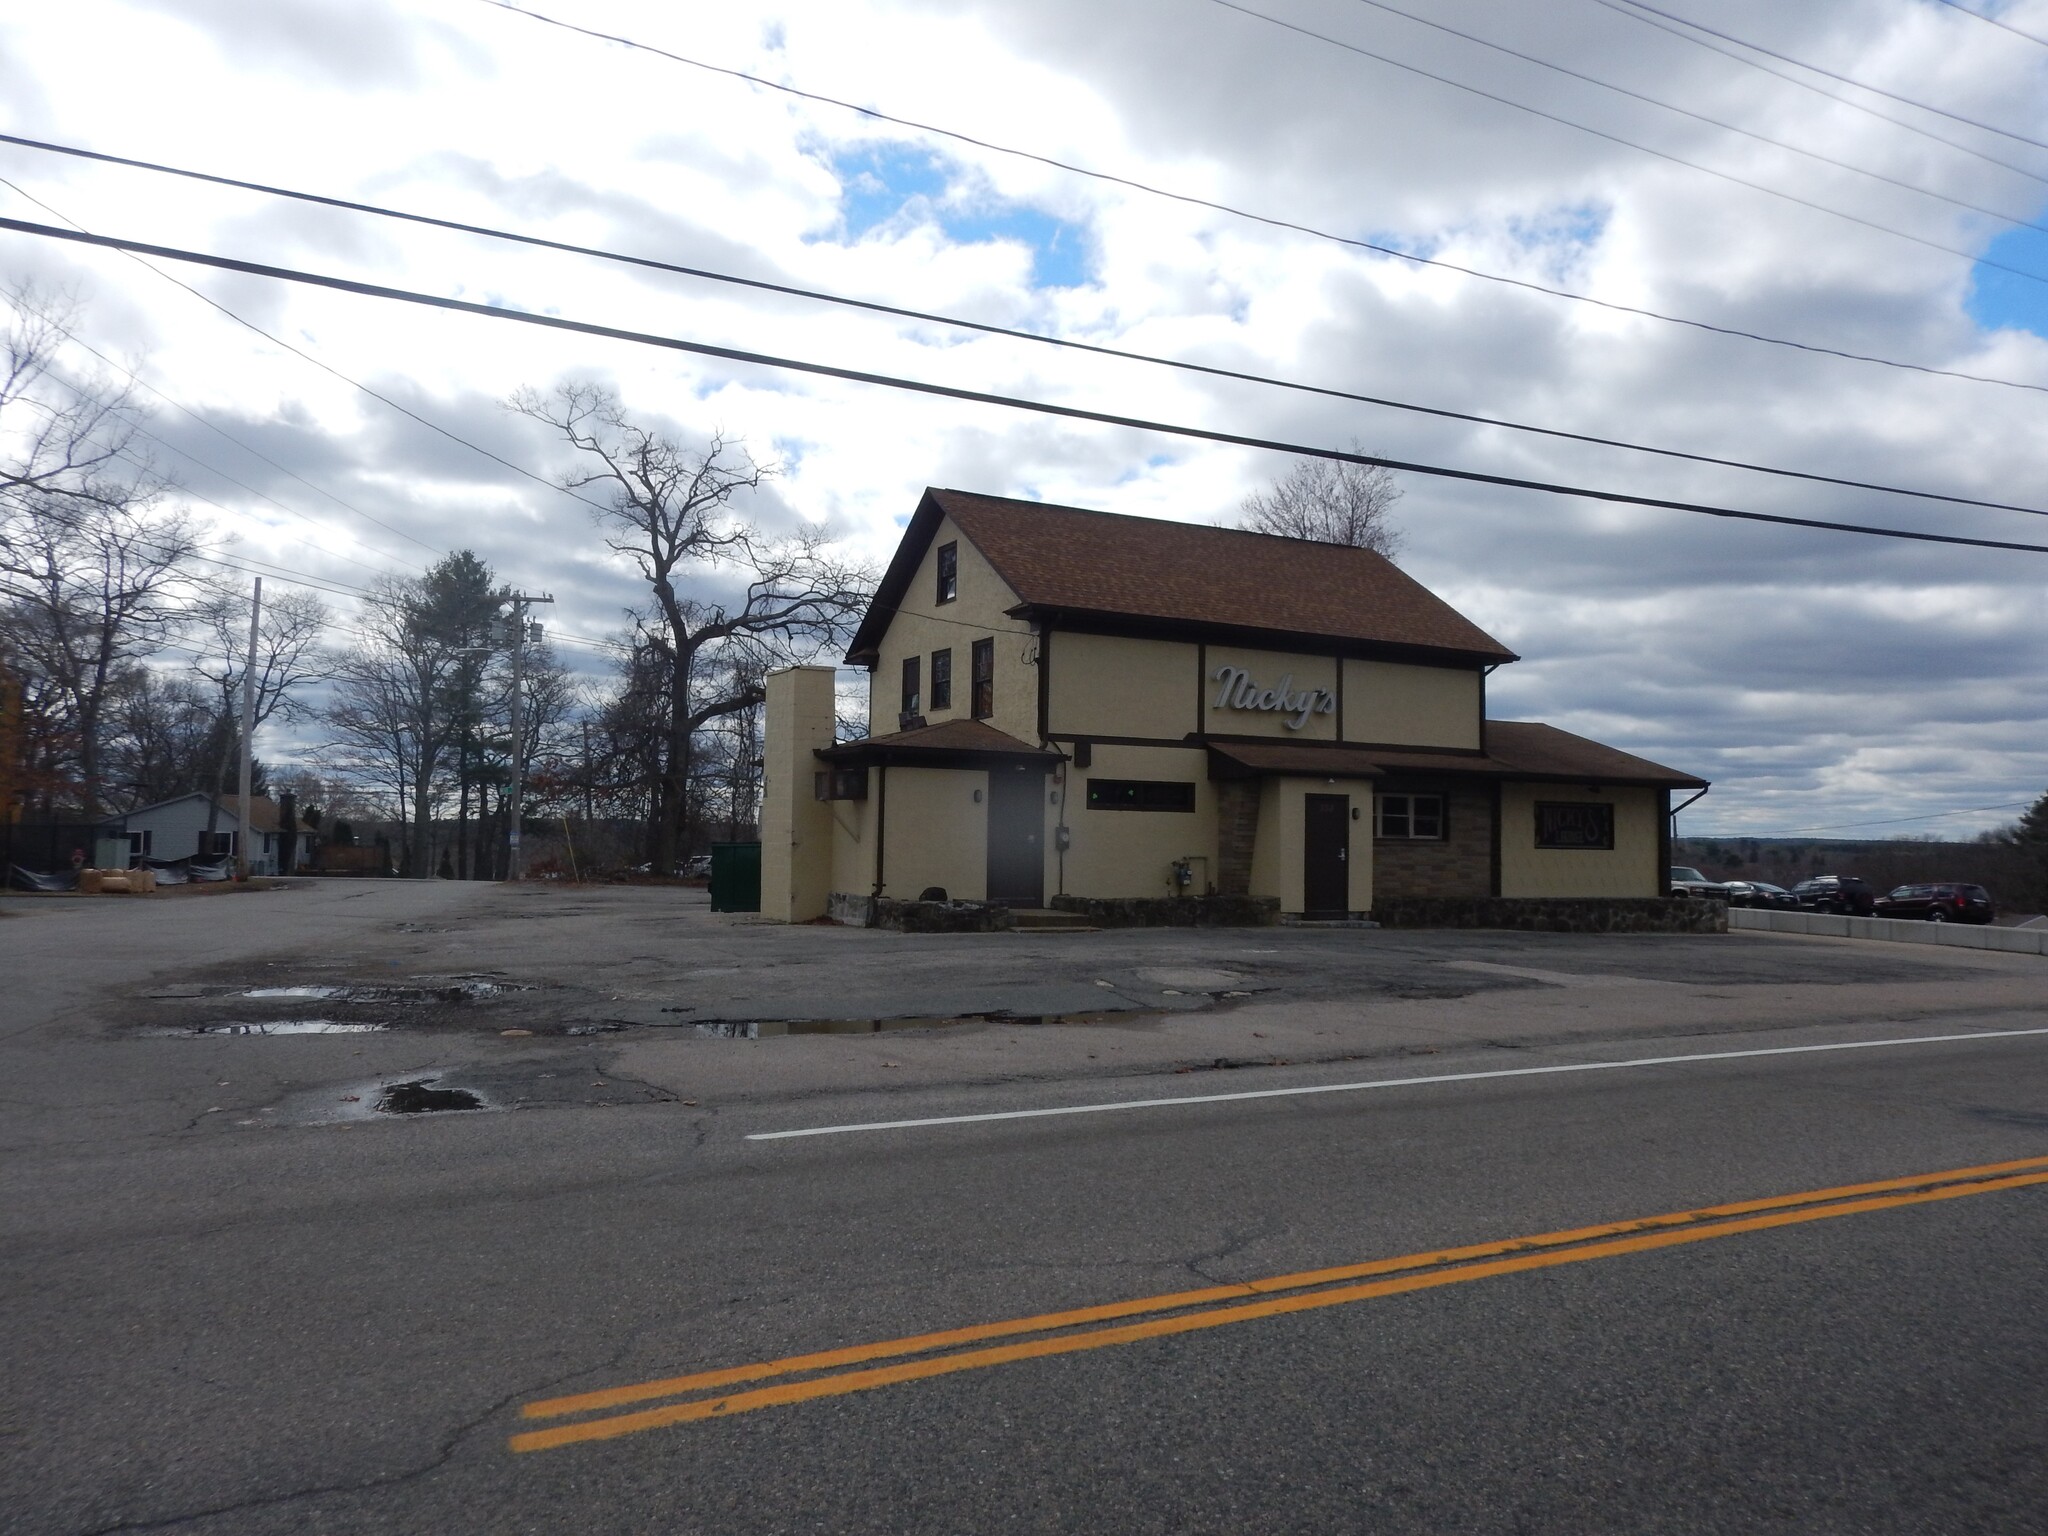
(1238, 689)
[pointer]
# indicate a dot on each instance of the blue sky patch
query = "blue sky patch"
(2003, 301)
(900, 181)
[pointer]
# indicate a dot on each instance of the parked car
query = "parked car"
(697, 867)
(1760, 893)
(1688, 882)
(1939, 902)
(1836, 893)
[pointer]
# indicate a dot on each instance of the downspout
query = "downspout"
(1677, 808)
(881, 824)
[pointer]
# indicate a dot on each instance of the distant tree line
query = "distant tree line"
(124, 643)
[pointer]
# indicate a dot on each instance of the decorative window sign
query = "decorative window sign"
(1238, 689)
(1574, 824)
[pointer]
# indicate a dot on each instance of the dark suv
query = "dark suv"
(1835, 893)
(1942, 902)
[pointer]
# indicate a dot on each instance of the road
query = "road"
(372, 1323)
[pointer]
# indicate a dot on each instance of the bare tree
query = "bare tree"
(670, 513)
(288, 657)
(85, 591)
(91, 567)
(391, 727)
(65, 439)
(1331, 502)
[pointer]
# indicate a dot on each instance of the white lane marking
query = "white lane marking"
(1384, 1082)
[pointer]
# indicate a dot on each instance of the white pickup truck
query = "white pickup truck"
(1689, 883)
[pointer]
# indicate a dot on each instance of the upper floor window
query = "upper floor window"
(984, 679)
(942, 680)
(1411, 816)
(912, 701)
(949, 572)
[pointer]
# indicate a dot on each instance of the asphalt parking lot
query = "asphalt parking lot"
(304, 1004)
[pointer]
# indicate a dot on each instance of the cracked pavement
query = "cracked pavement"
(241, 1300)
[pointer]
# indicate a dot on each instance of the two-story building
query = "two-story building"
(1069, 702)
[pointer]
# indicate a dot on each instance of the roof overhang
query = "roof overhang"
(951, 744)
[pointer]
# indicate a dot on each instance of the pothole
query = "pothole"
(764, 1029)
(274, 1027)
(421, 1098)
(421, 990)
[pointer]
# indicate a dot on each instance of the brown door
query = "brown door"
(1016, 837)
(1326, 855)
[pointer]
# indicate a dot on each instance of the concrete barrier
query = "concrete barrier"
(2012, 941)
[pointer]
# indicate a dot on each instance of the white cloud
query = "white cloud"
(1818, 678)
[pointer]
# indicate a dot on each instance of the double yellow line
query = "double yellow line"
(836, 1372)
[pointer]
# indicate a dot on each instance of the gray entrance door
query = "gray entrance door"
(1326, 855)
(1016, 837)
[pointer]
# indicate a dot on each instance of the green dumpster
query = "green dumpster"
(735, 877)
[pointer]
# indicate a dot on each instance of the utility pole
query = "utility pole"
(248, 730)
(519, 600)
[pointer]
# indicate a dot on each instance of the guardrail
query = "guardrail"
(2013, 941)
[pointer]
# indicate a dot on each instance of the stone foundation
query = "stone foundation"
(1556, 914)
(918, 916)
(1172, 911)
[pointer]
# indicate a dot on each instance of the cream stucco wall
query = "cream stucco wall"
(935, 832)
(853, 841)
(1131, 853)
(1390, 703)
(1107, 685)
(923, 625)
(1277, 859)
(1630, 869)
(797, 854)
(1268, 669)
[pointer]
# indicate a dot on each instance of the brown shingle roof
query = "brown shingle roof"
(1515, 749)
(1106, 564)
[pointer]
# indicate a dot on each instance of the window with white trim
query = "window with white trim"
(1418, 818)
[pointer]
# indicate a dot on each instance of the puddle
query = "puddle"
(765, 1029)
(420, 990)
(419, 1098)
(274, 1027)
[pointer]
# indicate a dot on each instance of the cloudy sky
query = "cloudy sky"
(1820, 679)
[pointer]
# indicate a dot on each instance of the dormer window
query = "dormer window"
(949, 572)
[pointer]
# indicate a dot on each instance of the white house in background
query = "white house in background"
(176, 829)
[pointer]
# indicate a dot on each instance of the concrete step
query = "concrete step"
(1046, 920)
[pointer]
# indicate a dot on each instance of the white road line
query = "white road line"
(1384, 1082)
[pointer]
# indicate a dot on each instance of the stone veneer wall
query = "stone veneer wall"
(1237, 831)
(1173, 911)
(918, 916)
(1461, 865)
(1558, 914)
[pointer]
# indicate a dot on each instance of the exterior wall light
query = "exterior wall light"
(977, 797)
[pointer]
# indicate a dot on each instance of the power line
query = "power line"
(1954, 5)
(1701, 117)
(1270, 221)
(1807, 85)
(184, 490)
(1615, 138)
(980, 397)
(180, 406)
(986, 328)
(1875, 90)
(325, 367)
